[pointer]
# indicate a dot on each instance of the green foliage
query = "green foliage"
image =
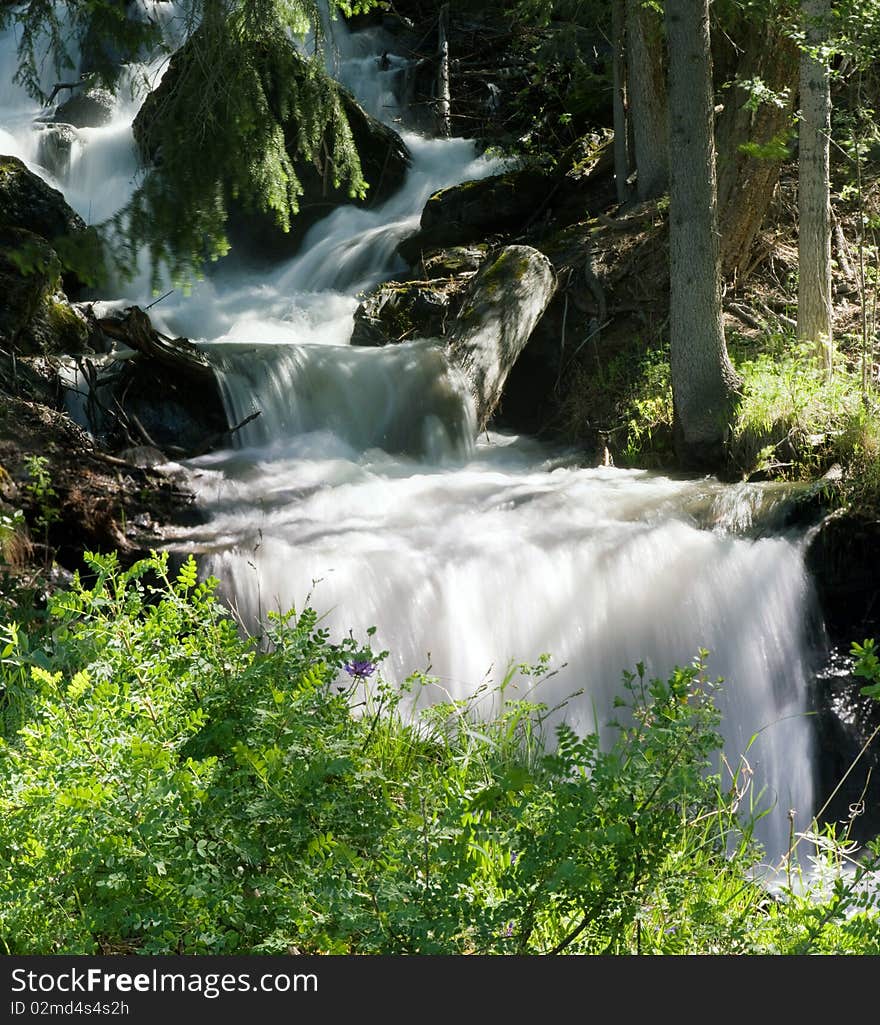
(168, 786)
(868, 666)
(87, 254)
(50, 35)
(43, 495)
(566, 90)
(241, 87)
(777, 148)
(627, 395)
(33, 256)
(793, 420)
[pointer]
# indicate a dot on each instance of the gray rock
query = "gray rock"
(26, 201)
(504, 302)
(398, 311)
(90, 109)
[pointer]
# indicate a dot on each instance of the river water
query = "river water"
(363, 489)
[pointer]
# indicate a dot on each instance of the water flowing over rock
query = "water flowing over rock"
(89, 109)
(55, 148)
(485, 317)
(473, 210)
(504, 302)
(360, 483)
(384, 159)
(517, 201)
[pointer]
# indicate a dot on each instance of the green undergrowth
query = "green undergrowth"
(621, 395)
(169, 785)
(796, 422)
(792, 421)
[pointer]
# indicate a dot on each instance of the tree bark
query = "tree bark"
(622, 157)
(703, 380)
(646, 93)
(444, 100)
(751, 138)
(814, 195)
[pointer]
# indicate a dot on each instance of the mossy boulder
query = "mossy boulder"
(30, 274)
(519, 203)
(35, 316)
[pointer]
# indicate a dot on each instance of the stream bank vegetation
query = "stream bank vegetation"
(171, 785)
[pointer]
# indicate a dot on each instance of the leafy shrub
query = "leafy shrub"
(168, 785)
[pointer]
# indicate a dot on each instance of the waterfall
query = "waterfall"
(361, 487)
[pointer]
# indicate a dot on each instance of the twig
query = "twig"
(161, 297)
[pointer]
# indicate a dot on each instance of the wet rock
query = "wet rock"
(91, 108)
(55, 148)
(397, 311)
(473, 210)
(35, 315)
(26, 201)
(520, 203)
(29, 274)
(843, 560)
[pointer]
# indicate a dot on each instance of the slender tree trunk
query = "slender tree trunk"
(703, 380)
(814, 190)
(752, 139)
(646, 93)
(444, 101)
(622, 160)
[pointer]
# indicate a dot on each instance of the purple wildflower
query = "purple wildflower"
(360, 668)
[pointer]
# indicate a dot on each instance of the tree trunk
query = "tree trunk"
(752, 139)
(814, 199)
(646, 92)
(622, 157)
(703, 379)
(444, 101)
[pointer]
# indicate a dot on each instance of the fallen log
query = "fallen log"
(135, 329)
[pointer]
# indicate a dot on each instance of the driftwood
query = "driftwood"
(166, 395)
(135, 330)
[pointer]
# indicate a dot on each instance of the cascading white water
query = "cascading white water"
(361, 488)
